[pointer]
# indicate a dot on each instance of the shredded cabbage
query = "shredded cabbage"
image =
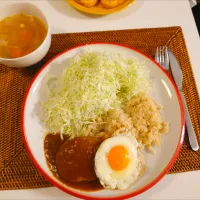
(92, 84)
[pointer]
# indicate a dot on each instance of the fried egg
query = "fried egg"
(118, 162)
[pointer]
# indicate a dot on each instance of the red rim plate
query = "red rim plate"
(132, 194)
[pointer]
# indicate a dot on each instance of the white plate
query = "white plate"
(156, 165)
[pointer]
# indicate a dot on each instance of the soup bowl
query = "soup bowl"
(41, 51)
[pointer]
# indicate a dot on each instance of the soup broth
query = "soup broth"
(20, 35)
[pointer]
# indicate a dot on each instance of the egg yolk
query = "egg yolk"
(118, 158)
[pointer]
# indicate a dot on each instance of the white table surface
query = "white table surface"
(142, 14)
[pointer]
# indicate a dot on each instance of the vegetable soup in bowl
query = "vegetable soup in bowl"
(25, 35)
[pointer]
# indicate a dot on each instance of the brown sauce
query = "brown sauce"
(52, 144)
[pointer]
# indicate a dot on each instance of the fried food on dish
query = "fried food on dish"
(111, 3)
(87, 3)
(118, 162)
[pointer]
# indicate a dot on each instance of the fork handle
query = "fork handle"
(191, 134)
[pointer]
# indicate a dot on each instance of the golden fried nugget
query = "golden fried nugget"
(87, 3)
(111, 3)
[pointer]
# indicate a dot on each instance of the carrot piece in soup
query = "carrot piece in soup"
(15, 52)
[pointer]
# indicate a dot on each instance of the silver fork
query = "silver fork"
(162, 57)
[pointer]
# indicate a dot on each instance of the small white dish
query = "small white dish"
(156, 165)
(35, 56)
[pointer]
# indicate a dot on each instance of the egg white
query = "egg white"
(110, 178)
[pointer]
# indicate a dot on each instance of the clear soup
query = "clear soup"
(20, 35)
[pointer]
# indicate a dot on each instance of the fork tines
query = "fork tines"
(162, 57)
